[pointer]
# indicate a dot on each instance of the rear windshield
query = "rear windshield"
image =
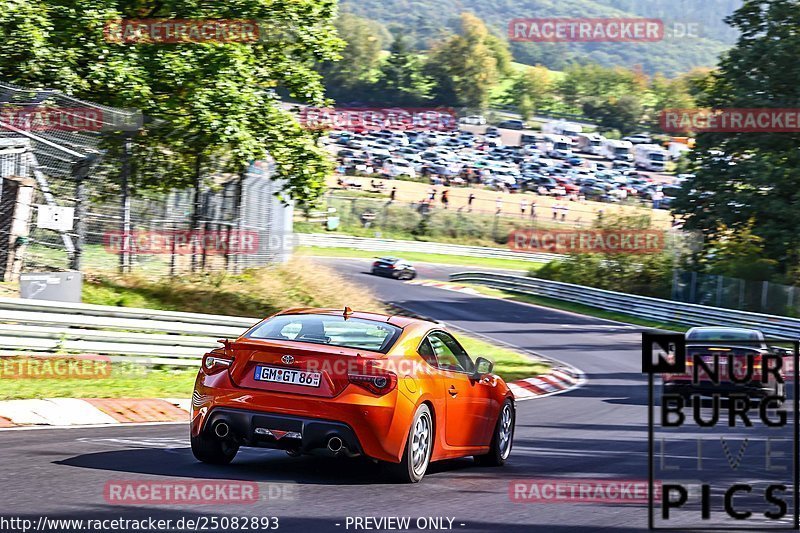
(329, 330)
(724, 335)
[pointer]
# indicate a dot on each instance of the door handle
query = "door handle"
(453, 391)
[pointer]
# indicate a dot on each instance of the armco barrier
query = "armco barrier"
(639, 306)
(146, 336)
(322, 240)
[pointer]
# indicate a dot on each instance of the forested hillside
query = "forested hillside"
(427, 20)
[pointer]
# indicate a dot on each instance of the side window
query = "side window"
(426, 351)
(449, 354)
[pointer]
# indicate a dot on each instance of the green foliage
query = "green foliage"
(401, 80)
(739, 254)
(623, 114)
(642, 274)
(749, 181)
(466, 66)
(426, 20)
(358, 66)
(532, 89)
(214, 101)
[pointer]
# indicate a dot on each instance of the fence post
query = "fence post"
(125, 255)
(80, 171)
(741, 294)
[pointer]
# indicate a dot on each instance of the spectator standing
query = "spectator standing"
(393, 194)
(470, 199)
(499, 204)
(445, 199)
(556, 208)
(564, 212)
(658, 197)
(523, 206)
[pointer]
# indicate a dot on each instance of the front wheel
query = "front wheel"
(502, 439)
(417, 453)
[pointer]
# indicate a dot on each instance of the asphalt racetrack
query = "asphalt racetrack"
(598, 431)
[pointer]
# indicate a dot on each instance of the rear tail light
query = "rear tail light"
(215, 362)
(378, 382)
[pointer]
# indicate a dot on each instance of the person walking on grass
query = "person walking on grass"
(470, 199)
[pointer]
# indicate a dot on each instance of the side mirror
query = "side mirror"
(483, 366)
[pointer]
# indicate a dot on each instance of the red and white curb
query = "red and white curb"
(443, 285)
(70, 412)
(558, 381)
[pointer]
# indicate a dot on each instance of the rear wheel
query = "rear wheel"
(212, 450)
(417, 453)
(502, 439)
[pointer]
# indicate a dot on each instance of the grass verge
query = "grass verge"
(576, 308)
(486, 262)
(124, 381)
(509, 364)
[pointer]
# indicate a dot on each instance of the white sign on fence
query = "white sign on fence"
(55, 217)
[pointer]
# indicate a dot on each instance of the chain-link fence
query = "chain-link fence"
(479, 223)
(69, 202)
(732, 293)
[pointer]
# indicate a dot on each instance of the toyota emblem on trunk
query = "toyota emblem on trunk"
(287, 359)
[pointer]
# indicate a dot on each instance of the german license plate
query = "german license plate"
(275, 374)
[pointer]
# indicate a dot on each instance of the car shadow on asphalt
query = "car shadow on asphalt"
(254, 464)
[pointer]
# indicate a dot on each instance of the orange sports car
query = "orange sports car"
(398, 390)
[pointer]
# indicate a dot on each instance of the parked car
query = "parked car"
(512, 124)
(475, 120)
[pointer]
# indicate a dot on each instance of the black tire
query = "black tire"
(502, 439)
(405, 471)
(212, 450)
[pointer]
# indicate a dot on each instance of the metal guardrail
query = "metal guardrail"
(322, 240)
(639, 306)
(145, 336)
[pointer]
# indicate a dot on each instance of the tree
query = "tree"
(401, 80)
(743, 177)
(739, 254)
(465, 66)
(581, 82)
(358, 66)
(531, 90)
(624, 113)
(218, 97)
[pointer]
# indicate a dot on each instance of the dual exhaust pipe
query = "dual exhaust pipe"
(335, 444)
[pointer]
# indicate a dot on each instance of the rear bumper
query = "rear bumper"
(283, 432)
(375, 426)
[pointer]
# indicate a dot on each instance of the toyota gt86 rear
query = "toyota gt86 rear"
(397, 390)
